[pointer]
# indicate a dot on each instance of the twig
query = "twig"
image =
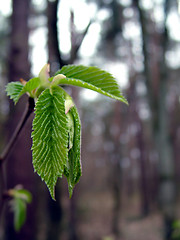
(29, 109)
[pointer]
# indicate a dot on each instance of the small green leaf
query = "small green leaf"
(92, 78)
(50, 136)
(73, 166)
(19, 207)
(20, 198)
(23, 194)
(13, 90)
(31, 85)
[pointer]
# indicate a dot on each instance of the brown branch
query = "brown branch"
(27, 113)
(29, 109)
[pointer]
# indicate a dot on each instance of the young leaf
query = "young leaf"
(23, 194)
(50, 136)
(73, 167)
(20, 198)
(13, 90)
(44, 74)
(19, 207)
(30, 86)
(92, 78)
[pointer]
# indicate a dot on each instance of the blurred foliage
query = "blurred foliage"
(20, 198)
(176, 231)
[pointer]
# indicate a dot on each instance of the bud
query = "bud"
(44, 73)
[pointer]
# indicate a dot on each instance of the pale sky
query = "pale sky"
(131, 30)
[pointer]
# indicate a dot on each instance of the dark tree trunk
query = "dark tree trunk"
(19, 66)
(54, 56)
(55, 215)
(143, 172)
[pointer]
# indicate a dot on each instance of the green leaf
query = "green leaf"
(13, 90)
(20, 198)
(50, 136)
(23, 194)
(19, 208)
(31, 85)
(73, 166)
(92, 78)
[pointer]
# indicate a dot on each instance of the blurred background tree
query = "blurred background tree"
(130, 155)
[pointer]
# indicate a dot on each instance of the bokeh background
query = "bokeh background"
(130, 154)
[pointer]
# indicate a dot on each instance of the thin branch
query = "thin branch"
(77, 38)
(29, 109)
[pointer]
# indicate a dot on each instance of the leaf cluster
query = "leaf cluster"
(56, 126)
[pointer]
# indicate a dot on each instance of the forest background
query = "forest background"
(130, 154)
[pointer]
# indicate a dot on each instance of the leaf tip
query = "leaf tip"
(52, 193)
(70, 188)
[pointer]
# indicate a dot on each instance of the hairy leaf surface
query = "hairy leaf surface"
(73, 166)
(13, 90)
(92, 78)
(50, 137)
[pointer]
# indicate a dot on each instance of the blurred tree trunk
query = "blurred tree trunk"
(19, 66)
(111, 135)
(143, 170)
(141, 145)
(55, 213)
(165, 149)
(54, 55)
(19, 165)
(116, 171)
(158, 105)
(116, 190)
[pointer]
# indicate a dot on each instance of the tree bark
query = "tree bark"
(54, 55)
